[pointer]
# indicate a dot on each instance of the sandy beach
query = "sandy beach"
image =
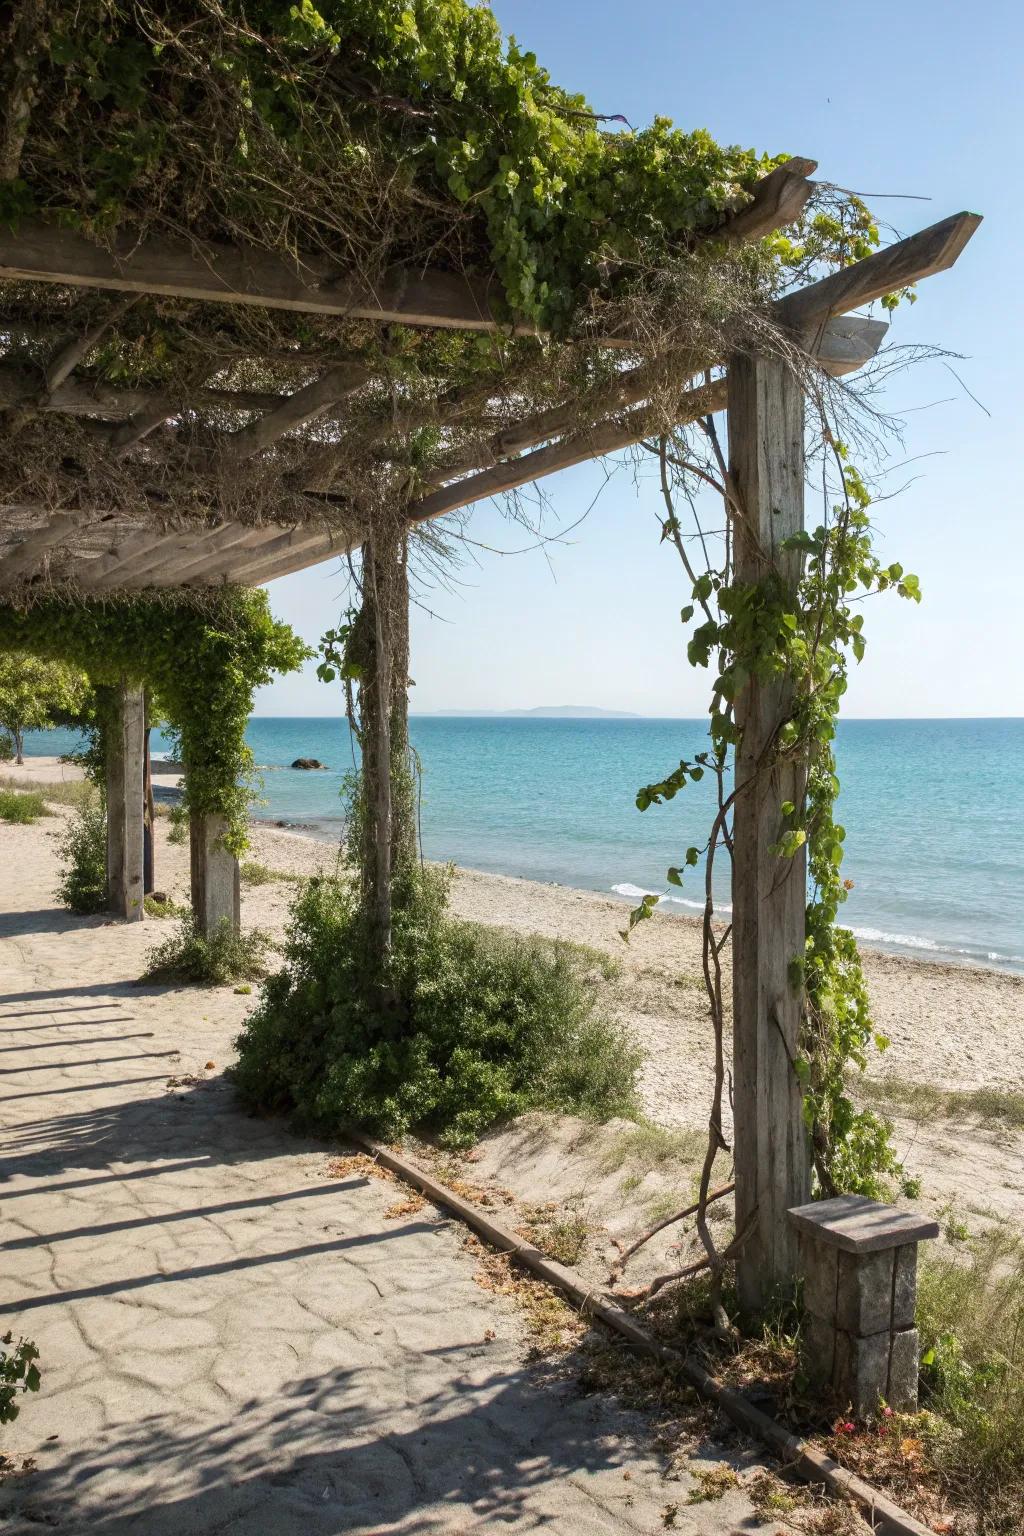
(951, 1027)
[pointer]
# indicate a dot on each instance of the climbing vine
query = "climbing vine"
(201, 661)
(769, 633)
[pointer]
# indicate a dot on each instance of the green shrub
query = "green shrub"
(163, 908)
(25, 807)
(18, 1373)
(7, 747)
(470, 1026)
(189, 956)
(179, 819)
(83, 855)
(971, 1321)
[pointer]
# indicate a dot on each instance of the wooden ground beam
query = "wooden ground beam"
(771, 1148)
(125, 800)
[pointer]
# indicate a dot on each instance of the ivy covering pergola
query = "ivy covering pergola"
(228, 367)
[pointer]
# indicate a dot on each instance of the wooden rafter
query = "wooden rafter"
(107, 402)
(304, 406)
(909, 261)
(840, 349)
(67, 359)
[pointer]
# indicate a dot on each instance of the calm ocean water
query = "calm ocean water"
(934, 812)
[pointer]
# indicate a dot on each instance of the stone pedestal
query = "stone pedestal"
(859, 1262)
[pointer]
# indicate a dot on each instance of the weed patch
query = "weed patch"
(923, 1101)
(226, 956)
(646, 1146)
(23, 806)
(73, 792)
(253, 873)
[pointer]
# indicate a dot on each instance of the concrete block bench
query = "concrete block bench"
(859, 1262)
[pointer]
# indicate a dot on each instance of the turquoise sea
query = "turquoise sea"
(934, 812)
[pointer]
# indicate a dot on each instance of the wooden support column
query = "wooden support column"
(771, 1146)
(216, 881)
(125, 749)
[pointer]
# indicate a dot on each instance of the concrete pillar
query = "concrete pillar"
(216, 882)
(859, 1262)
(125, 747)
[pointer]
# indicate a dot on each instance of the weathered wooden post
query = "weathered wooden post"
(125, 747)
(771, 1146)
(216, 880)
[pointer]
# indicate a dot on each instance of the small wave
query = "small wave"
(667, 899)
(883, 936)
(932, 947)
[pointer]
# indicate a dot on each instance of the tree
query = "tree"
(36, 694)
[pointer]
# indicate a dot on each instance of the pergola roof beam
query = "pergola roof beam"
(931, 250)
(77, 397)
(33, 548)
(843, 346)
(222, 274)
(305, 405)
(69, 356)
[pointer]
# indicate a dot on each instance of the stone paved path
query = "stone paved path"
(234, 1343)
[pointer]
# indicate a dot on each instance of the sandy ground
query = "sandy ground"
(235, 1338)
(950, 1026)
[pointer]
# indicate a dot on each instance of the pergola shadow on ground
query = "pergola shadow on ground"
(234, 1337)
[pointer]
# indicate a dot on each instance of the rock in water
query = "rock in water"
(308, 762)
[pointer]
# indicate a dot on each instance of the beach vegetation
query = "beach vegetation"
(83, 857)
(971, 1321)
(648, 1147)
(71, 792)
(188, 957)
(254, 873)
(922, 1102)
(162, 907)
(24, 806)
(19, 1374)
(466, 1025)
(7, 746)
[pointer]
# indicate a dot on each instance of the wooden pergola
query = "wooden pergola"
(86, 548)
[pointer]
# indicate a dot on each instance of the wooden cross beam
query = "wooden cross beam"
(841, 348)
(221, 274)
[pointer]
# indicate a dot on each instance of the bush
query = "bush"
(189, 956)
(7, 747)
(83, 855)
(23, 808)
(471, 1026)
(971, 1320)
(18, 1374)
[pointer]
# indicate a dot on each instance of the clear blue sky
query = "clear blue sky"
(910, 97)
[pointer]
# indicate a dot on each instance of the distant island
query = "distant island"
(542, 712)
